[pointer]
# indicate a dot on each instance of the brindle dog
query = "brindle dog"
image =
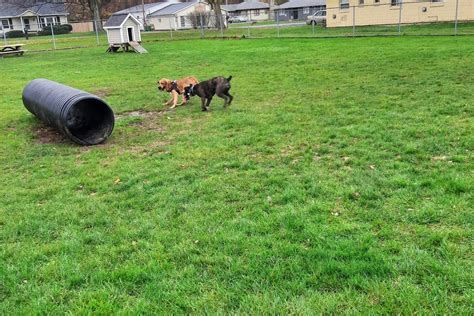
(219, 86)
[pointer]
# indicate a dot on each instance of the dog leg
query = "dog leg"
(175, 99)
(208, 103)
(203, 105)
(226, 98)
(183, 100)
(231, 98)
(168, 102)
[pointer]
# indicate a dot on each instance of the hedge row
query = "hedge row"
(58, 29)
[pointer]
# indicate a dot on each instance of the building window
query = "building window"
(282, 13)
(5, 24)
(159, 20)
(183, 21)
(361, 2)
(344, 4)
(376, 1)
(50, 21)
(395, 2)
(256, 12)
(305, 10)
(437, 0)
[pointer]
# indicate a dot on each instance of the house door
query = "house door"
(27, 24)
(294, 15)
(130, 34)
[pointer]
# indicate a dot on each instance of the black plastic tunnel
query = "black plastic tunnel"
(81, 116)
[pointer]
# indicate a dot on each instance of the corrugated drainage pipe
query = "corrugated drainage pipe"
(81, 116)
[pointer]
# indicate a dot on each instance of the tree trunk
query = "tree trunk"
(218, 12)
(216, 7)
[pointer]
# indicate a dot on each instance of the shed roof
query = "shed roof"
(302, 4)
(12, 10)
(117, 20)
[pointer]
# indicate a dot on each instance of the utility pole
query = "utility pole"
(143, 12)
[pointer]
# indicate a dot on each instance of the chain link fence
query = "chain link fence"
(395, 18)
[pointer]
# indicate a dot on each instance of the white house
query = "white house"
(150, 8)
(252, 10)
(32, 18)
(176, 16)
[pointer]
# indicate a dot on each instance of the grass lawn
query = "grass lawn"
(339, 181)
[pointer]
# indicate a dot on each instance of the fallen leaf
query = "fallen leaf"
(117, 181)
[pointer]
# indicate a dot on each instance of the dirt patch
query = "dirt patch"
(149, 120)
(102, 93)
(138, 113)
(45, 134)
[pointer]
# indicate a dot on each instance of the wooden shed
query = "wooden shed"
(123, 31)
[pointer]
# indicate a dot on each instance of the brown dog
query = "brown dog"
(175, 88)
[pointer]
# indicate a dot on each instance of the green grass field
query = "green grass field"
(339, 181)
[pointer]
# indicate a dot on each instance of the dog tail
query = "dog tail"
(229, 79)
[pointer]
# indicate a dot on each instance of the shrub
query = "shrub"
(58, 29)
(69, 27)
(14, 34)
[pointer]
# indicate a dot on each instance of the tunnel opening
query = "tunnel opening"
(90, 121)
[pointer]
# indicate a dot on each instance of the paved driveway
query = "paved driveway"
(260, 26)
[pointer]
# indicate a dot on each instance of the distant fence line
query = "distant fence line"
(404, 18)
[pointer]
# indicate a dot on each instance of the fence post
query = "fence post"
(96, 32)
(52, 33)
(456, 18)
(353, 20)
(400, 17)
(221, 23)
(202, 25)
(248, 27)
(313, 24)
(278, 23)
(4, 35)
(171, 28)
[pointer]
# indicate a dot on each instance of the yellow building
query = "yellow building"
(379, 12)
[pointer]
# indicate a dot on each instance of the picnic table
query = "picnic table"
(12, 49)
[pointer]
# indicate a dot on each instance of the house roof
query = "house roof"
(302, 4)
(117, 20)
(138, 8)
(246, 5)
(8, 10)
(173, 8)
(229, 7)
(149, 8)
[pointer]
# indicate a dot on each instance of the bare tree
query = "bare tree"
(216, 7)
(91, 6)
